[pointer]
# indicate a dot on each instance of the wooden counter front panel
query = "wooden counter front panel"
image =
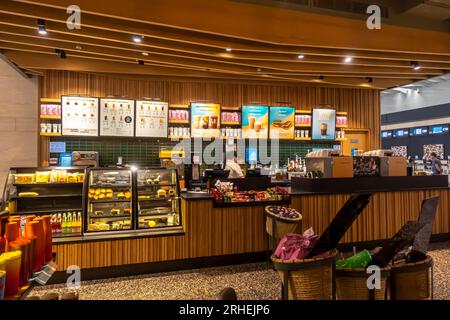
(208, 232)
(381, 219)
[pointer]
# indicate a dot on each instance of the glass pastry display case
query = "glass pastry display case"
(108, 201)
(53, 191)
(158, 199)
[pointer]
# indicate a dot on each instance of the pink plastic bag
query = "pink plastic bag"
(296, 246)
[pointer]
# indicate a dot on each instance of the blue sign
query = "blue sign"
(65, 159)
(57, 147)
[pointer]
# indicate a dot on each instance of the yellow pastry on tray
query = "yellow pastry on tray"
(128, 195)
(28, 194)
(162, 193)
(120, 195)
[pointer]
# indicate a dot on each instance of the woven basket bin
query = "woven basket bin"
(351, 284)
(412, 281)
(277, 227)
(308, 279)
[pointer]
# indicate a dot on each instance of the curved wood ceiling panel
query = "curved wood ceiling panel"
(177, 50)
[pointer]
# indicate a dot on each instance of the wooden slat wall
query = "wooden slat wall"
(214, 232)
(362, 105)
(209, 232)
(381, 219)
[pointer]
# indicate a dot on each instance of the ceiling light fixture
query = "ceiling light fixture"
(348, 59)
(301, 56)
(228, 49)
(138, 39)
(78, 47)
(415, 65)
(41, 27)
(145, 54)
(369, 79)
(259, 69)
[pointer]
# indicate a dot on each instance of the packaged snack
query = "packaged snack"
(42, 176)
(62, 176)
(24, 178)
(53, 176)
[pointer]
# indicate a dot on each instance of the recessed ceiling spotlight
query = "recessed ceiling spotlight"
(301, 56)
(321, 77)
(369, 79)
(78, 47)
(348, 59)
(138, 39)
(41, 27)
(228, 49)
(141, 62)
(415, 65)
(145, 54)
(259, 69)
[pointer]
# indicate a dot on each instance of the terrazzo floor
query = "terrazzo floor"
(251, 281)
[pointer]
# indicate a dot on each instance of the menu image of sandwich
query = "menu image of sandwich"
(282, 121)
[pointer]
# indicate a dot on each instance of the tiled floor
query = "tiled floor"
(251, 281)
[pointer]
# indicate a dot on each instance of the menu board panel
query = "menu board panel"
(324, 124)
(116, 117)
(255, 122)
(151, 119)
(282, 121)
(402, 133)
(79, 116)
(205, 120)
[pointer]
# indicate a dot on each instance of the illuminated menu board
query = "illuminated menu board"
(419, 132)
(282, 120)
(386, 134)
(255, 122)
(324, 124)
(79, 116)
(402, 133)
(151, 119)
(205, 120)
(439, 129)
(117, 117)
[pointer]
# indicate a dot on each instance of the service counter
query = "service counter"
(234, 233)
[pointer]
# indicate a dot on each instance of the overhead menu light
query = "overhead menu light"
(348, 59)
(41, 27)
(138, 39)
(415, 65)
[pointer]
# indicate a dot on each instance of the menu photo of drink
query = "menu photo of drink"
(79, 116)
(255, 122)
(117, 117)
(205, 120)
(324, 124)
(282, 122)
(151, 119)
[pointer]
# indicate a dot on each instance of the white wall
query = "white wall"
(430, 94)
(18, 120)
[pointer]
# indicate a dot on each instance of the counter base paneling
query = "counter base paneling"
(219, 232)
(381, 219)
(208, 232)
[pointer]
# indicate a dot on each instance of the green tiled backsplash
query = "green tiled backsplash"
(144, 152)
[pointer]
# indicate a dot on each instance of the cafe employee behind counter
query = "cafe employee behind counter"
(234, 167)
(436, 166)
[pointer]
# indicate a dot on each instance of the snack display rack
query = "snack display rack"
(54, 191)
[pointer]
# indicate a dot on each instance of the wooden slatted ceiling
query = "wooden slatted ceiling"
(105, 39)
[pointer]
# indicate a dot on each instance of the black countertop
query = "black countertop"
(354, 185)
